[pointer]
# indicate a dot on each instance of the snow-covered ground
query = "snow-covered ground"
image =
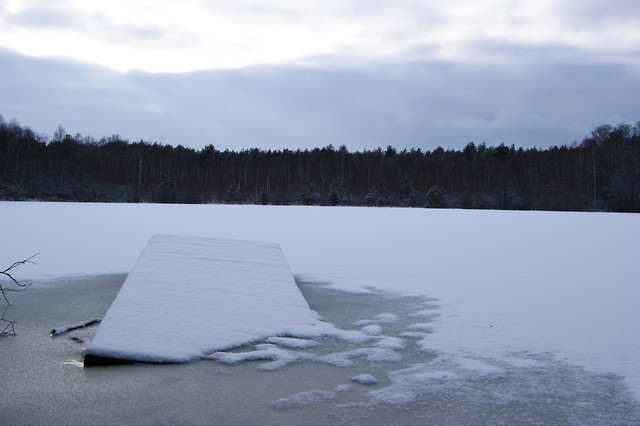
(511, 288)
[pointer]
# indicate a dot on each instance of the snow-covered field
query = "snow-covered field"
(510, 288)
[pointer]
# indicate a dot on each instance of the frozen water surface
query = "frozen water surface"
(506, 281)
(44, 382)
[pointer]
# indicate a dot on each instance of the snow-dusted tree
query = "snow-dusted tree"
(436, 197)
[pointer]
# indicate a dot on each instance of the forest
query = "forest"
(601, 173)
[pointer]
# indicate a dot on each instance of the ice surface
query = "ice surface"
(187, 296)
(438, 388)
(505, 281)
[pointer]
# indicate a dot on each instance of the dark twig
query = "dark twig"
(9, 327)
(61, 330)
(6, 273)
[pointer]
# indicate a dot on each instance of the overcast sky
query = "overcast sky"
(304, 74)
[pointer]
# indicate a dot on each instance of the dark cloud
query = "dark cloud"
(63, 16)
(41, 15)
(412, 105)
(590, 14)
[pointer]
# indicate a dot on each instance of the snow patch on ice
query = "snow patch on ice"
(279, 357)
(292, 342)
(326, 329)
(427, 314)
(371, 354)
(424, 326)
(522, 361)
(373, 329)
(445, 373)
(386, 317)
(390, 342)
(413, 334)
(383, 318)
(293, 346)
(478, 366)
(408, 383)
(365, 379)
(309, 397)
(384, 350)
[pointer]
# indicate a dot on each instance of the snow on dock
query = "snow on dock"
(189, 296)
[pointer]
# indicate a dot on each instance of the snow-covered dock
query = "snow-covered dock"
(189, 296)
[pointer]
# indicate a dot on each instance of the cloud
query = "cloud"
(590, 13)
(283, 74)
(162, 36)
(38, 15)
(412, 105)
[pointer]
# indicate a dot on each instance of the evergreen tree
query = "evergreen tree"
(310, 196)
(436, 197)
(334, 197)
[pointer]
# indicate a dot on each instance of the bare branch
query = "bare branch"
(60, 330)
(23, 287)
(9, 327)
(16, 264)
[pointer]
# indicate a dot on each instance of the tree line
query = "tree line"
(601, 173)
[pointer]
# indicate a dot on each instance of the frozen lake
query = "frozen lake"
(44, 382)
